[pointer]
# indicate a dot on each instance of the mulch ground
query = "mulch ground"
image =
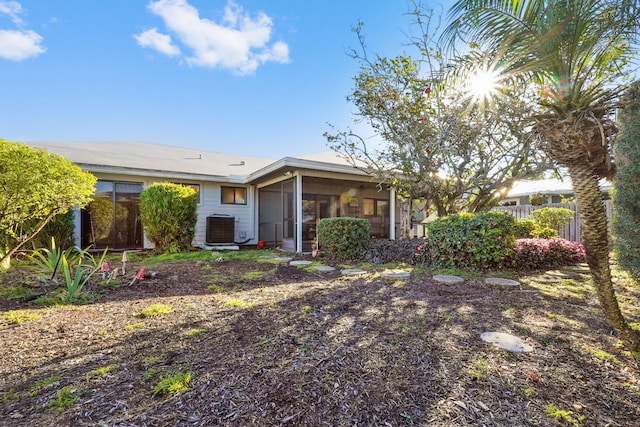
(317, 349)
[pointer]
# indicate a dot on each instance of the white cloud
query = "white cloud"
(18, 45)
(160, 42)
(13, 9)
(239, 42)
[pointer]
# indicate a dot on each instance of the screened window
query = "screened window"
(234, 195)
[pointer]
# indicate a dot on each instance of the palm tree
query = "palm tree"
(574, 54)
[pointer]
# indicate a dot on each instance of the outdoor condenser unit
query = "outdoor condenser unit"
(220, 229)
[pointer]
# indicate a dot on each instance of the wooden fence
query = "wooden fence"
(573, 231)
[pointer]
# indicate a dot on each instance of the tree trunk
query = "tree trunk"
(595, 238)
(405, 219)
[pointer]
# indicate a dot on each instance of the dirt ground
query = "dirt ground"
(293, 347)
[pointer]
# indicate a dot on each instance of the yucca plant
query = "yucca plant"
(76, 280)
(48, 260)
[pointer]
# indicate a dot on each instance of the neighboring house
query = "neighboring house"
(242, 199)
(551, 190)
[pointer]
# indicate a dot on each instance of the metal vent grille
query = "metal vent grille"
(220, 229)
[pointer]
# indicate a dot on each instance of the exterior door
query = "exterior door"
(112, 219)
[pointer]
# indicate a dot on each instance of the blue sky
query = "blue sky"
(253, 77)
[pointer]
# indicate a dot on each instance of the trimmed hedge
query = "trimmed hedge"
(471, 240)
(344, 238)
(169, 214)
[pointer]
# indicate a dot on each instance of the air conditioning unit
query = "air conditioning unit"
(220, 229)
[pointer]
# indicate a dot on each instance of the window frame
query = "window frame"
(225, 189)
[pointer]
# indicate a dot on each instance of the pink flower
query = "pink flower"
(141, 273)
(105, 266)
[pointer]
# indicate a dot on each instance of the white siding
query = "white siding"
(211, 204)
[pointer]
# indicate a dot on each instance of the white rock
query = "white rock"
(506, 341)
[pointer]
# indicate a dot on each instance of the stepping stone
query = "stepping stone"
(506, 342)
(324, 268)
(352, 272)
(449, 280)
(301, 263)
(545, 279)
(395, 274)
(504, 283)
(282, 259)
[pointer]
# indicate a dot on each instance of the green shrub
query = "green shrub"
(523, 228)
(169, 214)
(626, 198)
(471, 240)
(60, 228)
(544, 233)
(344, 238)
(553, 218)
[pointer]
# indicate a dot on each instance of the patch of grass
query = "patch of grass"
(253, 275)
(216, 289)
(150, 373)
(238, 303)
(44, 383)
(100, 372)
(20, 316)
(599, 353)
(133, 326)
(563, 415)
(151, 360)
(9, 396)
(15, 292)
(64, 398)
(262, 340)
(528, 392)
(480, 371)
(172, 384)
(154, 310)
(197, 333)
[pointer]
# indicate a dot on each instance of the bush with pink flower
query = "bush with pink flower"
(537, 254)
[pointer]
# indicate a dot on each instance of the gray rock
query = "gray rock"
(395, 274)
(300, 262)
(505, 283)
(324, 268)
(449, 280)
(353, 272)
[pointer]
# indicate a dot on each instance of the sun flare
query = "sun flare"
(483, 84)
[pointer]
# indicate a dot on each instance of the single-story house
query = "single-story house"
(243, 199)
(552, 190)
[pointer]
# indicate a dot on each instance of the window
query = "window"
(375, 207)
(234, 195)
(368, 207)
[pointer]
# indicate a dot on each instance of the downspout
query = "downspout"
(298, 212)
(392, 213)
